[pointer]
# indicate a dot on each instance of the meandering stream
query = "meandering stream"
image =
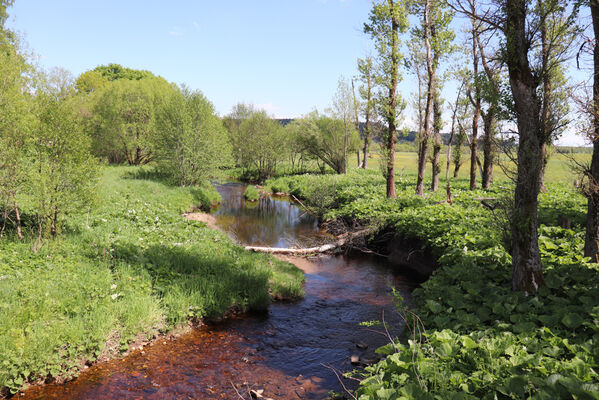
(286, 352)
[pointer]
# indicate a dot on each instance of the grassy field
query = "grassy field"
(560, 167)
(131, 268)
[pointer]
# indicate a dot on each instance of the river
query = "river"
(291, 352)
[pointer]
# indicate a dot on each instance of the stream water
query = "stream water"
(290, 352)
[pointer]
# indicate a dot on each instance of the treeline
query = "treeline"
(55, 131)
(261, 144)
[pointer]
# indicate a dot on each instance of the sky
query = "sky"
(284, 56)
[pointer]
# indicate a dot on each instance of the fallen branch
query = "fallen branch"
(341, 241)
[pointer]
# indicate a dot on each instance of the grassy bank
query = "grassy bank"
(132, 267)
(482, 340)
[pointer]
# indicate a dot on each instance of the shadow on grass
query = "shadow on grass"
(194, 283)
(149, 174)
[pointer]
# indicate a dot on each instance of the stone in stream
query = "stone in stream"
(355, 359)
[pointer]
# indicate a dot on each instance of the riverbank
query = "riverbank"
(482, 340)
(128, 271)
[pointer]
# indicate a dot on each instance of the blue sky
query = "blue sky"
(282, 55)
(285, 55)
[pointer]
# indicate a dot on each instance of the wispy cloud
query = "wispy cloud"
(196, 25)
(176, 31)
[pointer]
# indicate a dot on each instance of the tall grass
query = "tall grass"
(132, 266)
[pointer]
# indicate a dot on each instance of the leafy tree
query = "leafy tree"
(436, 35)
(115, 72)
(261, 150)
(15, 129)
(328, 139)
(124, 119)
(191, 140)
(522, 26)
(62, 170)
(232, 121)
(367, 76)
(90, 81)
(387, 19)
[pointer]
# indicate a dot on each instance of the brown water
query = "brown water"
(284, 352)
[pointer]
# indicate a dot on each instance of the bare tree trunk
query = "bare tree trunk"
(545, 156)
(365, 159)
(18, 220)
(477, 107)
(527, 274)
(429, 101)
(488, 153)
(437, 144)
(591, 242)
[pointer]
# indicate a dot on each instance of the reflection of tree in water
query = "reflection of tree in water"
(269, 222)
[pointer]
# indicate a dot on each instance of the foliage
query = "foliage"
(328, 139)
(480, 339)
(261, 149)
(123, 120)
(15, 126)
(191, 144)
(251, 193)
(62, 170)
(132, 267)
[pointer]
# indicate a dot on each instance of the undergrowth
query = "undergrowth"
(480, 339)
(131, 267)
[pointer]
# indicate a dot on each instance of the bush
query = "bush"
(251, 193)
(206, 196)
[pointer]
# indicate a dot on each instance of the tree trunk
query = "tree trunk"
(591, 242)
(437, 143)
(488, 153)
(365, 159)
(545, 156)
(477, 107)
(392, 104)
(18, 220)
(527, 272)
(429, 101)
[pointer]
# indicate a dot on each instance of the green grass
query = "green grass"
(559, 167)
(132, 267)
(482, 340)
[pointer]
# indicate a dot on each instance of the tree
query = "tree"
(476, 99)
(232, 121)
(387, 19)
(15, 130)
(366, 75)
(436, 34)
(62, 172)
(591, 242)
(191, 142)
(521, 28)
(261, 139)
(328, 139)
(124, 121)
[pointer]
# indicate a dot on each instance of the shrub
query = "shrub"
(251, 193)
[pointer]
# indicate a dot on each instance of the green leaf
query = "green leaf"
(572, 321)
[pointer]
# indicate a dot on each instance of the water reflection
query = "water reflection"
(272, 222)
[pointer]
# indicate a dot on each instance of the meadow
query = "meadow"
(129, 269)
